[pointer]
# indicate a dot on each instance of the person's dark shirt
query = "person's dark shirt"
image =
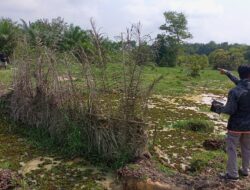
(238, 107)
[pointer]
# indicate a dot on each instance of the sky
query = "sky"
(217, 20)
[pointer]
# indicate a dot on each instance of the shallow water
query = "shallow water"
(177, 146)
(40, 170)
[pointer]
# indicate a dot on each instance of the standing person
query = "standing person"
(238, 107)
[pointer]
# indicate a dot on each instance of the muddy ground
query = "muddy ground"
(174, 155)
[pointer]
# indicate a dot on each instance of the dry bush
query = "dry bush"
(108, 111)
(39, 97)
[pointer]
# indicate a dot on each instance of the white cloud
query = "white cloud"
(199, 8)
(219, 20)
(27, 5)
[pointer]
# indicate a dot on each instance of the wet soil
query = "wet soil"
(41, 170)
(175, 150)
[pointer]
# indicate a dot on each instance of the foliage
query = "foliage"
(74, 38)
(247, 55)
(219, 59)
(194, 63)
(236, 57)
(207, 48)
(8, 35)
(226, 59)
(176, 26)
(166, 51)
(196, 125)
(168, 45)
(46, 96)
(201, 49)
(45, 32)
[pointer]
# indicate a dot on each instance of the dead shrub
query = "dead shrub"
(42, 98)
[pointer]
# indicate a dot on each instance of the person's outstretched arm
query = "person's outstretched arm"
(233, 78)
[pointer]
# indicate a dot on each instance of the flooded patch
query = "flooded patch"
(176, 147)
(38, 163)
(40, 170)
(172, 144)
(208, 98)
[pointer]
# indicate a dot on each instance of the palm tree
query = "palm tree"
(74, 38)
(8, 30)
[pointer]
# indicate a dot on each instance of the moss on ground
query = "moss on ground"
(15, 152)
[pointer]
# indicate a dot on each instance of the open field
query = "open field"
(177, 97)
(175, 80)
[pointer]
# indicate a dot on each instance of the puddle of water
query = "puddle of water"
(173, 144)
(208, 98)
(40, 171)
(205, 99)
(38, 163)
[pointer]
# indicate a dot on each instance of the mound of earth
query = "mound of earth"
(143, 175)
(213, 144)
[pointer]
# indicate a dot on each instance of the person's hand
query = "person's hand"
(222, 71)
(216, 105)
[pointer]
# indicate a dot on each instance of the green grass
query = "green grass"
(166, 170)
(175, 80)
(196, 125)
(213, 159)
(6, 76)
(5, 165)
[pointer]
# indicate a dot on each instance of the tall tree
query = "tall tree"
(166, 51)
(176, 26)
(175, 32)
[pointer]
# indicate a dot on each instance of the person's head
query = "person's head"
(244, 71)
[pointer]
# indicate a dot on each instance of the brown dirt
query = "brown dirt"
(145, 170)
(142, 169)
(214, 144)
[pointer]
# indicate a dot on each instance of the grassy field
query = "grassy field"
(175, 80)
(175, 85)
(6, 76)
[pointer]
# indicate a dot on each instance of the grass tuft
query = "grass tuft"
(196, 125)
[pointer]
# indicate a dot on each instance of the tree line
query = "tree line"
(169, 48)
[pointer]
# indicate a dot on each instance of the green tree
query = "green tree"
(194, 63)
(8, 32)
(247, 55)
(169, 44)
(74, 38)
(166, 51)
(227, 59)
(236, 57)
(45, 32)
(219, 58)
(176, 27)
